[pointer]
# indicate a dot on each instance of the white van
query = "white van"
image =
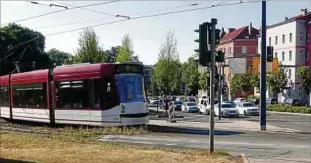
(204, 105)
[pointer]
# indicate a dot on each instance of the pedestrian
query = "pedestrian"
(171, 110)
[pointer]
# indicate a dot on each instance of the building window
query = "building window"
(290, 55)
(283, 56)
(276, 40)
(244, 49)
(301, 54)
(269, 41)
(283, 38)
(290, 37)
(229, 50)
(73, 94)
(301, 36)
(276, 55)
(289, 73)
(29, 95)
(4, 96)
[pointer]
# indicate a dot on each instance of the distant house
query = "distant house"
(291, 40)
(239, 43)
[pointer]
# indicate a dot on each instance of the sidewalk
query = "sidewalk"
(221, 125)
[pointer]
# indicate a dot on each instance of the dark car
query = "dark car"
(291, 102)
(177, 105)
(272, 101)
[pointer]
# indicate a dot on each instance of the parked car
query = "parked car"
(271, 101)
(230, 102)
(239, 100)
(227, 110)
(191, 99)
(248, 108)
(177, 105)
(291, 102)
(190, 107)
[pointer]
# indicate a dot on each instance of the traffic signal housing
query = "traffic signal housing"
(220, 56)
(269, 53)
(204, 54)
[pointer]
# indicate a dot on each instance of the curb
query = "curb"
(288, 113)
(245, 160)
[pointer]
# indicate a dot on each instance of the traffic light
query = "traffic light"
(220, 56)
(204, 54)
(269, 53)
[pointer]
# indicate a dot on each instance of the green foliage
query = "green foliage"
(252, 97)
(203, 81)
(243, 81)
(190, 75)
(25, 51)
(287, 108)
(89, 50)
(125, 52)
(304, 73)
(167, 74)
(59, 57)
(277, 82)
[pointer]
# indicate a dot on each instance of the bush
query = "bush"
(291, 109)
(252, 97)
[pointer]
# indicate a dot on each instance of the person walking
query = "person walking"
(171, 111)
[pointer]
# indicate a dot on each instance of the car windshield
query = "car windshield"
(177, 103)
(248, 104)
(227, 106)
(190, 104)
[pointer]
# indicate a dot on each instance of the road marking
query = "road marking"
(245, 160)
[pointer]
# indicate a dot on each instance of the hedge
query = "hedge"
(291, 109)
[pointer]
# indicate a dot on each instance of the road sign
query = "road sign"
(271, 67)
(237, 65)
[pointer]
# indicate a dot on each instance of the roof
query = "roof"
(83, 71)
(292, 19)
(234, 34)
(4, 80)
(240, 33)
(30, 77)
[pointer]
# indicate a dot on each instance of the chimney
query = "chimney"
(230, 30)
(222, 33)
(250, 28)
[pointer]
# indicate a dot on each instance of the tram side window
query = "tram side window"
(4, 100)
(73, 94)
(110, 98)
(29, 95)
(96, 95)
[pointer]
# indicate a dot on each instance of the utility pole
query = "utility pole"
(263, 69)
(219, 89)
(212, 85)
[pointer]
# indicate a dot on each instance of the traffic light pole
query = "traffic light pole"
(219, 90)
(263, 69)
(212, 85)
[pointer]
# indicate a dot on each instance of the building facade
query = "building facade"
(239, 43)
(291, 47)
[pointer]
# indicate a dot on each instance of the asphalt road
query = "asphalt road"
(301, 123)
(257, 146)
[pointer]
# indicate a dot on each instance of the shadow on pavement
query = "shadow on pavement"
(177, 130)
(3, 160)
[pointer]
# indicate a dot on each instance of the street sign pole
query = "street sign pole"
(212, 85)
(263, 69)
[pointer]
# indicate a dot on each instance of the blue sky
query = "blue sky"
(149, 33)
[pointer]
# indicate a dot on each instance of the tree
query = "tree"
(89, 50)
(203, 81)
(26, 47)
(59, 57)
(190, 75)
(277, 82)
(243, 82)
(125, 52)
(111, 55)
(168, 68)
(304, 73)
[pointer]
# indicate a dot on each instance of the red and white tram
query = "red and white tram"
(110, 94)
